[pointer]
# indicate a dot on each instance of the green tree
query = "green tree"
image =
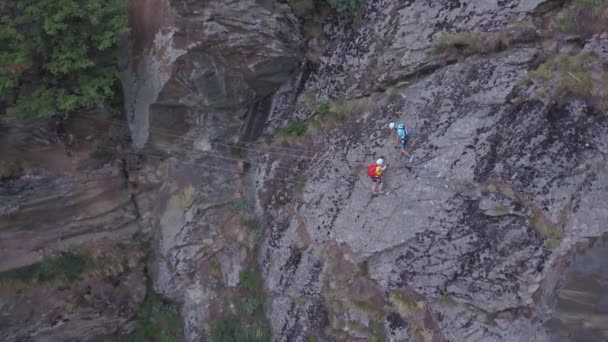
(59, 55)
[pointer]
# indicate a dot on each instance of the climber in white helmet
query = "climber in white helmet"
(374, 171)
(401, 135)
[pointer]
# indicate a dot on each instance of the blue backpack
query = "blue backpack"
(403, 131)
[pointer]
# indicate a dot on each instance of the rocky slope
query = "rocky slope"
(504, 182)
(493, 233)
(69, 265)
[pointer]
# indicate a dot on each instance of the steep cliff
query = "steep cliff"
(203, 77)
(235, 186)
(509, 174)
(70, 266)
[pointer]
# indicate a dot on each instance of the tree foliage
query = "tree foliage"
(59, 55)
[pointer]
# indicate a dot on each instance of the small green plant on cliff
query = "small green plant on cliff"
(300, 183)
(468, 43)
(326, 115)
(240, 206)
(254, 304)
(248, 323)
(157, 321)
(323, 108)
(581, 76)
(65, 269)
(584, 17)
(312, 338)
(543, 73)
(346, 7)
(446, 299)
(293, 129)
(229, 329)
(545, 228)
(59, 55)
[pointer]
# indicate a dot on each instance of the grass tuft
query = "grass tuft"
(240, 206)
(469, 43)
(326, 115)
(248, 323)
(157, 320)
(68, 268)
(580, 76)
(229, 329)
(293, 128)
(312, 338)
(300, 183)
(584, 17)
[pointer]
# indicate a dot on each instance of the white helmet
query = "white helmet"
(391, 125)
(380, 161)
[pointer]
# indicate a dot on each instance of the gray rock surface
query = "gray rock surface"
(498, 189)
(67, 198)
(471, 242)
(202, 76)
(212, 60)
(394, 40)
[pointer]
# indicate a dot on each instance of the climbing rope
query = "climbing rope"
(204, 165)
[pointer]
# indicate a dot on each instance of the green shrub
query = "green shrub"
(326, 115)
(592, 3)
(584, 18)
(345, 7)
(251, 280)
(231, 329)
(249, 323)
(448, 41)
(252, 223)
(300, 183)
(254, 305)
(543, 73)
(294, 128)
(468, 43)
(566, 22)
(59, 55)
(445, 298)
(323, 108)
(573, 75)
(157, 320)
(67, 267)
(240, 206)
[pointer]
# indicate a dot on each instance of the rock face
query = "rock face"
(581, 291)
(213, 62)
(499, 187)
(198, 76)
(492, 233)
(203, 77)
(393, 43)
(57, 199)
